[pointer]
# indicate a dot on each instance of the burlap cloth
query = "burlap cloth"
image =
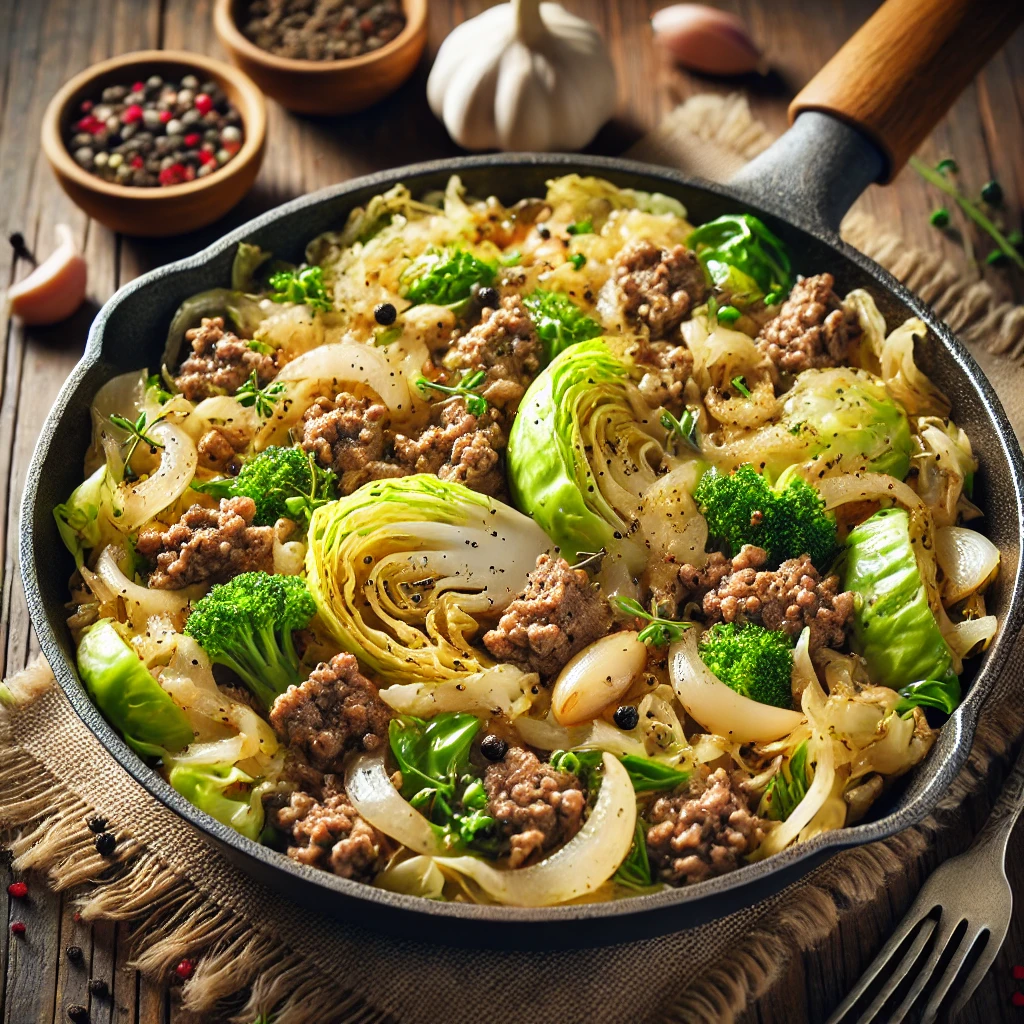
(256, 953)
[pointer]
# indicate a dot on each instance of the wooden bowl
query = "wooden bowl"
(174, 209)
(326, 86)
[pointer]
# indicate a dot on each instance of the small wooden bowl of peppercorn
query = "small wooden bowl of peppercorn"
(316, 57)
(177, 142)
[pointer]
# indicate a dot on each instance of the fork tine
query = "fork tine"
(944, 932)
(909, 958)
(967, 943)
(978, 971)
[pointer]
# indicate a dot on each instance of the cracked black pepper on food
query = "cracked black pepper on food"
(321, 29)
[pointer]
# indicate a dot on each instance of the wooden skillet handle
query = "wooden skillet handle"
(905, 66)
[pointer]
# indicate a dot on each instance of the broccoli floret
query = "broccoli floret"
(741, 508)
(246, 625)
(751, 660)
(285, 483)
(445, 277)
(559, 321)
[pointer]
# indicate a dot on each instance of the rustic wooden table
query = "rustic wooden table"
(43, 42)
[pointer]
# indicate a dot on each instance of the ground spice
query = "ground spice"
(156, 133)
(322, 29)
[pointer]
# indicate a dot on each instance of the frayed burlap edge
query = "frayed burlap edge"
(710, 136)
(236, 971)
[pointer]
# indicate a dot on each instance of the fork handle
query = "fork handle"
(1007, 808)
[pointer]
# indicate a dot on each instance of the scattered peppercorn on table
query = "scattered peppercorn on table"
(54, 967)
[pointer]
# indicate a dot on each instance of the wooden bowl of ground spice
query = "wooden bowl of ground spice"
(157, 142)
(324, 56)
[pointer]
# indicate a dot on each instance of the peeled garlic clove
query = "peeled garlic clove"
(55, 289)
(601, 673)
(706, 39)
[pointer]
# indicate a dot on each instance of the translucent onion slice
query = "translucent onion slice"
(588, 860)
(968, 559)
(353, 361)
(371, 793)
(141, 501)
(717, 708)
(839, 490)
(142, 603)
(964, 636)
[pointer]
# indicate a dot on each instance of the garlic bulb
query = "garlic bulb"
(55, 289)
(524, 75)
(706, 39)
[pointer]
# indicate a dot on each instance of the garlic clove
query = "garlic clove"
(706, 39)
(55, 289)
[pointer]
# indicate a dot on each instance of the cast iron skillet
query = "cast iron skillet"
(800, 187)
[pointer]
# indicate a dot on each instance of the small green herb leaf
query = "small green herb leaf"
(577, 259)
(684, 428)
(304, 287)
(475, 403)
(581, 227)
(251, 395)
(939, 218)
(658, 632)
(740, 384)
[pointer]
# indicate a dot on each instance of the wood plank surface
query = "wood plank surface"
(43, 42)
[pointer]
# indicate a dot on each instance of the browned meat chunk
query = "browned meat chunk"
(349, 436)
(788, 598)
(558, 614)
(335, 710)
(534, 806)
(703, 833)
(658, 287)
(462, 447)
(504, 345)
(219, 449)
(667, 368)
(220, 362)
(208, 546)
(811, 330)
(325, 831)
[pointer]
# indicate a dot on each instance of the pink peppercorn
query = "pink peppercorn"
(206, 157)
(203, 103)
(138, 86)
(1017, 999)
(137, 162)
(131, 114)
(18, 928)
(17, 890)
(165, 116)
(1018, 972)
(193, 139)
(173, 175)
(184, 969)
(86, 106)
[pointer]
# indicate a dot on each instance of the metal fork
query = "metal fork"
(971, 890)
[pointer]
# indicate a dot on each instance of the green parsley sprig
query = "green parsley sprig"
(658, 632)
(475, 403)
(250, 395)
(305, 286)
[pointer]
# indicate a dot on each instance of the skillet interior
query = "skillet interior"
(129, 332)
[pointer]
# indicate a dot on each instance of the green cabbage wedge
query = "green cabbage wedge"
(401, 570)
(583, 449)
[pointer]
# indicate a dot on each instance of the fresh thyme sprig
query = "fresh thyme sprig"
(264, 399)
(137, 432)
(685, 428)
(658, 632)
(475, 403)
(937, 177)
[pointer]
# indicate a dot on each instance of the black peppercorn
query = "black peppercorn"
(97, 823)
(626, 716)
(385, 314)
(78, 1014)
(74, 954)
(99, 988)
(544, 232)
(17, 240)
(488, 298)
(494, 748)
(105, 843)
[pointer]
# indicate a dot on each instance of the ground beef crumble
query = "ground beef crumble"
(534, 806)
(667, 368)
(219, 449)
(657, 287)
(788, 598)
(335, 710)
(558, 614)
(325, 831)
(506, 347)
(208, 546)
(220, 362)
(702, 833)
(811, 329)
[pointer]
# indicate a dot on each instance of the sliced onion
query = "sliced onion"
(417, 876)
(371, 793)
(839, 490)
(821, 753)
(719, 709)
(588, 860)
(964, 636)
(968, 559)
(351, 361)
(499, 690)
(142, 603)
(141, 501)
